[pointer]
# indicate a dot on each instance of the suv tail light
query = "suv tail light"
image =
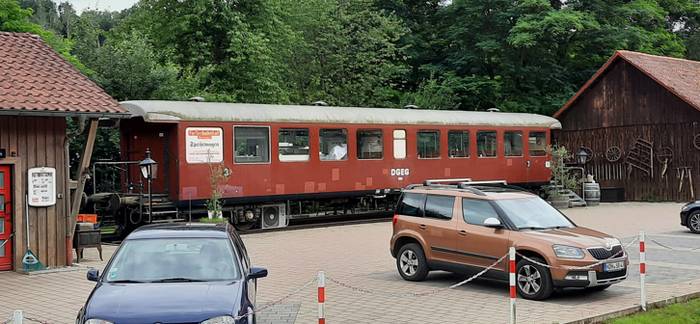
(395, 219)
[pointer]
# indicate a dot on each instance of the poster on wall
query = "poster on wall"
(42, 187)
(204, 145)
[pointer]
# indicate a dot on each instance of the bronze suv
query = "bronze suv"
(466, 227)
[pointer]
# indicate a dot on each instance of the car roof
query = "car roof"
(189, 230)
(477, 192)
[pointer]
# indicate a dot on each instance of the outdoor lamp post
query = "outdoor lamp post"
(149, 170)
(582, 156)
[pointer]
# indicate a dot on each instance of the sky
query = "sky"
(112, 5)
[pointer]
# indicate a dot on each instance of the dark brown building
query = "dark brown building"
(639, 116)
(38, 91)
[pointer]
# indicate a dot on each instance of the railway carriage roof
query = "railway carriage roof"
(155, 111)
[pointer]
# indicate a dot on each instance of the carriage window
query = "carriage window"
(334, 144)
(538, 143)
(486, 143)
(399, 144)
(513, 143)
(458, 143)
(428, 144)
(369, 144)
(252, 144)
(293, 144)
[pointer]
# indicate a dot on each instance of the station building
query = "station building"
(39, 92)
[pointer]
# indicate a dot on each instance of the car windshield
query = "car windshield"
(533, 213)
(174, 260)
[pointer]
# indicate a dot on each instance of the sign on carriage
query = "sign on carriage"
(204, 145)
(42, 187)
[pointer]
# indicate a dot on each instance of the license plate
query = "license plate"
(613, 266)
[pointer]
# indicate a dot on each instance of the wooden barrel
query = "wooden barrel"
(591, 193)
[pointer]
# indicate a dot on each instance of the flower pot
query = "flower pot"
(215, 214)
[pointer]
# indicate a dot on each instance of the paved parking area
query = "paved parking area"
(358, 256)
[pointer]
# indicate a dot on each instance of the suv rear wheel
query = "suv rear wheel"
(411, 262)
(532, 280)
(694, 222)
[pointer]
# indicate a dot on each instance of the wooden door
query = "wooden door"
(5, 218)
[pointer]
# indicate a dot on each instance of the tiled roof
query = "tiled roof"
(35, 79)
(680, 77)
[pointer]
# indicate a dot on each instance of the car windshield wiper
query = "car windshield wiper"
(559, 227)
(125, 281)
(532, 228)
(177, 280)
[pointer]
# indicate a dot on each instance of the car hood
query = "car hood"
(163, 302)
(577, 236)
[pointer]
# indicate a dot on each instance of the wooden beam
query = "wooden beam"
(82, 175)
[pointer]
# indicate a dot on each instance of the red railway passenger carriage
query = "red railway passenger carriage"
(286, 162)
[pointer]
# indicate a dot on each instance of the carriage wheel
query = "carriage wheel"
(613, 154)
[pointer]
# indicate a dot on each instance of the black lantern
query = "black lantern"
(149, 167)
(149, 170)
(582, 156)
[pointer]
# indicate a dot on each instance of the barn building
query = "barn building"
(638, 118)
(39, 90)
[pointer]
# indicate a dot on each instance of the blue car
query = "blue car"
(185, 273)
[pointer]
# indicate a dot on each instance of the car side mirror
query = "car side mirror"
(493, 222)
(256, 273)
(93, 275)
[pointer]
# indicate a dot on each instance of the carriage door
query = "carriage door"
(516, 163)
(537, 157)
(5, 218)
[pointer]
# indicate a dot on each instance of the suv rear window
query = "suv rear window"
(411, 204)
(439, 207)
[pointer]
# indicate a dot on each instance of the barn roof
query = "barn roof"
(154, 111)
(35, 80)
(680, 77)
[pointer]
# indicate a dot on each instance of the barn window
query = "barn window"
(252, 144)
(370, 144)
(538, 143)
(334, 144)
(293, 144)
(486, 143)
(399, 144)
(513, 143)
(428, 144)
(458, 143)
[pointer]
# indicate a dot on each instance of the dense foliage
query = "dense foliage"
(516, 55)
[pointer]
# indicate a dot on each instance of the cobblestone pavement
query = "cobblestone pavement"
(358, 255)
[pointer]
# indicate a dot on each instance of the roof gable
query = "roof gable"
(34, 79)
(679, 76)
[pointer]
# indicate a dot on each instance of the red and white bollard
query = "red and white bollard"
(511, 266)
(321, 297)
(642, 271)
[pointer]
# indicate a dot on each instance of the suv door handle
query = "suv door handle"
(463, 233)
(422, 226)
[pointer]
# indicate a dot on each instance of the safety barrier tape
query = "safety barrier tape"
(411, 294)
(586, 267)
(672, 248)
(276, 301)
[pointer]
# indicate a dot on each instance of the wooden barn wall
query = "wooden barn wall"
(36, 142)
(626, 105)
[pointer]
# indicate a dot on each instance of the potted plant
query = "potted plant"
(217, 176)
(562, 180)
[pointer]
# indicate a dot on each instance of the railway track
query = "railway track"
(299, 224)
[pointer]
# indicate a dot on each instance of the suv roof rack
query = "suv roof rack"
(463, 184)
(432, 182)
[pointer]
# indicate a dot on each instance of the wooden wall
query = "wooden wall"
(36, 142)
(626, 105)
